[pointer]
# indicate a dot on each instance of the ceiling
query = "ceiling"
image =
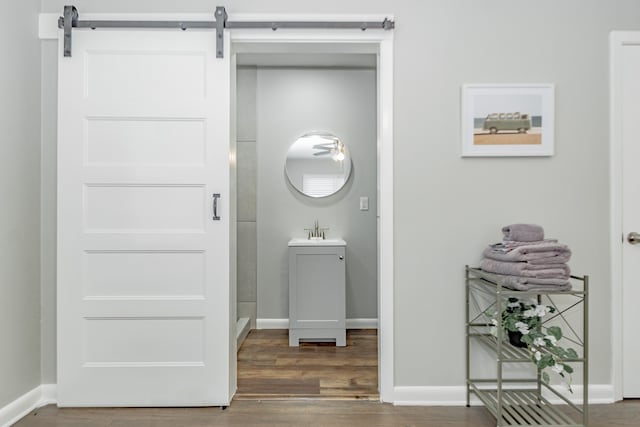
(304, 55)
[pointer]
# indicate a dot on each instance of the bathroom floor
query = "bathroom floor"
(269, 369)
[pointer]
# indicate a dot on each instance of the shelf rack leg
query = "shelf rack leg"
(468, 368)
(499, 355)
(538, 370)
(585, 356)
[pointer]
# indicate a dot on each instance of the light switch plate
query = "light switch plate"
(364, 203)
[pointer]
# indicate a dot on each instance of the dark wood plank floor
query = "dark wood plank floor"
(303, 413)
(269, 369)
(303, 363)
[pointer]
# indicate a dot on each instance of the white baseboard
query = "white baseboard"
(429, 396)
(49, 394)
(44, 394)
(456, 395)
(602, 393)
(272, 323)
(19, 407)
(598, 394)
(284, 323)
(243, 325)
(362, 323)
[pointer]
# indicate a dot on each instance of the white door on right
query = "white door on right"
(629, 91)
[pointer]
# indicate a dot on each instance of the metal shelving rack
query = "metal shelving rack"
(525, 401)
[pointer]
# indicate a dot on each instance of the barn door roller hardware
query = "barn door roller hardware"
(70, 20)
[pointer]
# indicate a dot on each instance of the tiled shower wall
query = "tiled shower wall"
(246, 169)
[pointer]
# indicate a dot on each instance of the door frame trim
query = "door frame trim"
(617, 40)
(383, 42)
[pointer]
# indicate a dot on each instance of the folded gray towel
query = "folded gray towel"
(507, 245)
(525, 269)
(545, 253)
(526, 283)
(523, 232)
(530, 266)
(554, 259)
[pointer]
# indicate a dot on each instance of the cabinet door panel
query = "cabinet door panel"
(317, 287)
(319, 290)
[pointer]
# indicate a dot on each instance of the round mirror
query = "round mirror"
(318, 164)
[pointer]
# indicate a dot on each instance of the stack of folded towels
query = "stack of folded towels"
(526, 261)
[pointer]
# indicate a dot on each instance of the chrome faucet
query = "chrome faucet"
(316, 232)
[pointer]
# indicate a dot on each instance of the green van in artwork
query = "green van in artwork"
(496, 122)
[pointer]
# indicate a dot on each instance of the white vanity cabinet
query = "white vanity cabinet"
(317, 303)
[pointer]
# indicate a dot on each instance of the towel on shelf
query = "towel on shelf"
(526, 283)
(507, 245)
(523, 232)
(554, 259)
(545, 253)
(525, 269)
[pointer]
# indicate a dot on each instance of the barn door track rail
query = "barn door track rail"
(71, 19)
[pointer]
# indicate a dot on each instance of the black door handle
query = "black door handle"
(216, 196)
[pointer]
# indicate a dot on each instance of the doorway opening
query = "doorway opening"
(283, 91)
(281, 97)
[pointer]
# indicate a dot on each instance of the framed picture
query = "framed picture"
(507, 120)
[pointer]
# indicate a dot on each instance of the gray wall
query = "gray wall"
(246, 160)
(48, 201)
(290, 103)
(447, 208)
(282, 213)
(19, 201)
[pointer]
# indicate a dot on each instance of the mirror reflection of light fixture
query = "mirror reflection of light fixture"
(337, 152)
(318, 164)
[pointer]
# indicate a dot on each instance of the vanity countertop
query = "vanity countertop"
(317, 242)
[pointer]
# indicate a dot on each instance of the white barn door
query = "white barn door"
(143, 269)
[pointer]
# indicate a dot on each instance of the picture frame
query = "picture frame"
(502, 120)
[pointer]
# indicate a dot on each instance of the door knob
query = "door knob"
(633, 238)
